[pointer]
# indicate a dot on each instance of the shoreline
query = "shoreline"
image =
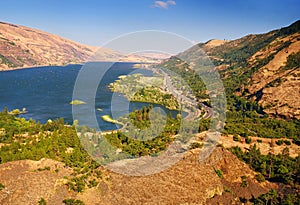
(42, 65)
(71, 63)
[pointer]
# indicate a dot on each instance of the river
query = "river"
(46, 92)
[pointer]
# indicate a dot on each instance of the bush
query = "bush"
(248, 140)
(219, 172)
(92, 183)
(279, 142)
(287, 142)
(42, 201)
(236, 138)
(227, 189)
(43, 169)
(259, 177)
(244, 181)
(195, 145)
(1, 186)
(296, 142)
(72, 202)
(259, 141)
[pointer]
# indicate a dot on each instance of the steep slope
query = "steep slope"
(187, 182)
(261, 67)
(276, 86)
(26, 182)
(21, 46)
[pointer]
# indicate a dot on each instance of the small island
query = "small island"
(77, 102)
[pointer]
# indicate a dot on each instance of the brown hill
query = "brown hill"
(260, 67)
(187, 182)
(278, 87)
(21, 46)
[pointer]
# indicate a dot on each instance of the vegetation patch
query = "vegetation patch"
(108, 118)
(139, 88)
(30, 140)
(277, 168)
(272, 197)
(43, 169)
(42, 201)
(293, 62)
(4, 60)
(1, 186)
(144, 145)
(73, 202)
(219, 172)
(77, 102)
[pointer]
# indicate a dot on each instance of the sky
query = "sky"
(95, 22)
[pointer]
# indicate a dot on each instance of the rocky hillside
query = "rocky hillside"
(21, 46)
(264, 68)
(26, 182)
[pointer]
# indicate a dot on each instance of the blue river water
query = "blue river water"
(46, 92)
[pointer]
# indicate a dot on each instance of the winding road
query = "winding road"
(184, 99)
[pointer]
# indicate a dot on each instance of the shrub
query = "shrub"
(296, 142)
(72, 202)
(287, 142)
(1, 186)
(43, 169)
(219, 172)
(244, 181)
(248, 140)
(279, 142)
(92, 183)
(42, 201)
(236, 138)
(195, 145)
(227, 189)
(259, 177)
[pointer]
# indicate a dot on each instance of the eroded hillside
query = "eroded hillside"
(262, 67)
(22, 46)
(28, 181)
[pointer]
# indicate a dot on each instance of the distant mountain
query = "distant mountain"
(21, 46)
(263, 67)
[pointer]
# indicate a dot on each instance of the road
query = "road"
(208, 111)
(192, 113)
(184, 99)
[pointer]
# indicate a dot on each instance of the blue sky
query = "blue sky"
(95, 22)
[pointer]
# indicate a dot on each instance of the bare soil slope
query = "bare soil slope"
(22, 46)
(186, 182)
